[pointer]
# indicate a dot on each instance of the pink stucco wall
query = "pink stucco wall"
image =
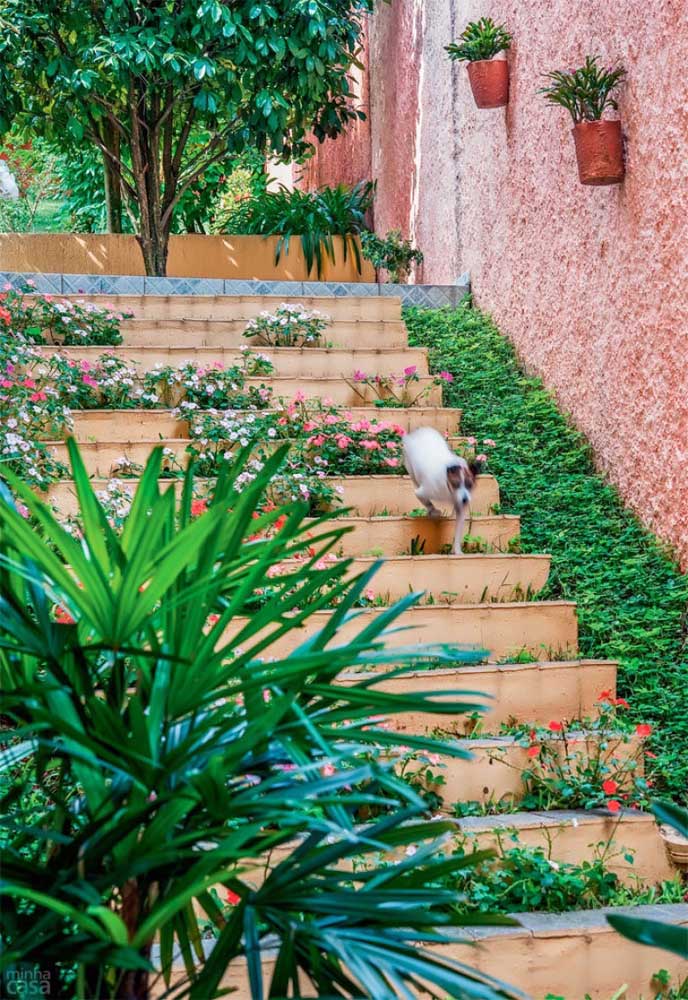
(591, 284)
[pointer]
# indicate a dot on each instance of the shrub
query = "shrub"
(315, 217)
(585, 92)
(49, 319)
(288, 326)
(392, 253)
(481, 39)
(166, 754)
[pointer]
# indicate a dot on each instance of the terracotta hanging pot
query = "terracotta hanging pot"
(599, 151)
(489, 82)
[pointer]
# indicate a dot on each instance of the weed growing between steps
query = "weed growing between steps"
(631, 597)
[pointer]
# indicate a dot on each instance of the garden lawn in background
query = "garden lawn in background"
(631, 596)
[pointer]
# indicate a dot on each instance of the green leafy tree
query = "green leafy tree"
(153, 750)
(138, 80)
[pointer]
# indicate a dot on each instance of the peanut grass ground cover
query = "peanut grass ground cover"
(631, 596)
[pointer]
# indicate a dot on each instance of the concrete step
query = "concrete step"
(395, 535)
(533, 693)
(466, 579)
(104, 458)
(244, 307)
(344, 333)
(543, 629)
(370, 496)
(571, 955)
(289, 362)
(574, 955)
(575, 836)
(136, 425)
(493, 774)
(334, 389)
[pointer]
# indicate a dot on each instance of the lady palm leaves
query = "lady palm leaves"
(585, 92)
(157, 752)
(481, 39)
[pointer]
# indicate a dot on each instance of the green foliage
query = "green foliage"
(314, 216)
(651, 932)
(392, 253)
(169, 91)
(631, 597)
(167, 754)
(585, 92)
(481, 39)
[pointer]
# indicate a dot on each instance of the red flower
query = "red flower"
(605, 696)
(232, 898)
(643, 729)
(610, 787)
(5, 315)
(621, 703)
(533, 751)
(198, 507)
(613, 806)
(555, 727)
(63, 616)
(649, 753)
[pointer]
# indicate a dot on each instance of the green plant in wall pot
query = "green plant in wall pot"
(153, 751)
(586, 93)
(479, 43)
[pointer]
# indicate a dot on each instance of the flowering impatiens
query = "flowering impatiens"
(50, 319)
(288, 326)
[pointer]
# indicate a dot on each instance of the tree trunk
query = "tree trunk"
(154, 243)
(113, 184)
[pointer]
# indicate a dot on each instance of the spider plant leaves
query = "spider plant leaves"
(585, 92)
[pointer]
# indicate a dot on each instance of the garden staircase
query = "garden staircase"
(532, 672)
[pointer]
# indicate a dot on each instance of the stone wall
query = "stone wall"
(590, 283)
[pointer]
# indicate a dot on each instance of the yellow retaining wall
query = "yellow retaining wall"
(193, 256)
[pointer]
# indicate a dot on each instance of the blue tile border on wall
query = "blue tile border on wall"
(428, 296)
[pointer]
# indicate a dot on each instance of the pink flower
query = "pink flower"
(481, 458)
(370, 445)
(359, 376)
(85, 366)
(471, 441)
(89, 380)
(299, 397)
(310, 425)
(6, 384)
(38, 397)
(410, 371)
(317, 440)
(489, 443)
(29, 383)
(343, 441)
(446, 376)
(330, 419)
(327, 770)
(369, 594)
(392, 462)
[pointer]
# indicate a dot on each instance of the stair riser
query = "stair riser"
(226, 307)
(288, 362)
(467, 579)
(587, 963)
(586, 958)
(133, 425)
(502, 630)
(568, 844)
(394, 537)
(495, 773)
(369, 496)
(530, 693)
(348, 334)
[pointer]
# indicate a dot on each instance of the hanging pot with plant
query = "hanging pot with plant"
(586, 94)
(489, 77)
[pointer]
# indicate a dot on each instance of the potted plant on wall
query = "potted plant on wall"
(586, 95)
(489, 77)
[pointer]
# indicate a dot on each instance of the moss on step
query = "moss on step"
(631, 597)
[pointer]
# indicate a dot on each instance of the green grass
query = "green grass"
(631, 596)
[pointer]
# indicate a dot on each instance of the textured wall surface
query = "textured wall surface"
(590, 283)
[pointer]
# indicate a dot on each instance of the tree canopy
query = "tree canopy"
(165, 89)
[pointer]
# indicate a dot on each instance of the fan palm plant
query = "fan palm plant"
(153, 752)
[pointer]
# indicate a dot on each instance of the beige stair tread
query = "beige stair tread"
(344, 333)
